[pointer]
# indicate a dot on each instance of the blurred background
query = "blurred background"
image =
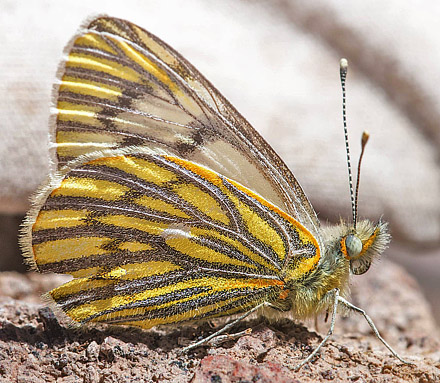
(278, 63)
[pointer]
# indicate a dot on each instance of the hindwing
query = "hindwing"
(153, 239)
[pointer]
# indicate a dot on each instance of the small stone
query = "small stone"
(50, 322)
(92, 350)
(91, 375)
(110, 348)
(67, 379)
(61, 362)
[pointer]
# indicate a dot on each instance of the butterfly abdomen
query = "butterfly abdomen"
(308, 294)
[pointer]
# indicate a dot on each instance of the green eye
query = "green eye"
(353, 245)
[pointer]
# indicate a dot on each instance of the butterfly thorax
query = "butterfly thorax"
(346, 251)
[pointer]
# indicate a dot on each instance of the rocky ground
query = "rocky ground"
(35, 347)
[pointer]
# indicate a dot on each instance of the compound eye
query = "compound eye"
(353, 245)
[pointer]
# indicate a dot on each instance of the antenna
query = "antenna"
(364, 140)
(343, 67)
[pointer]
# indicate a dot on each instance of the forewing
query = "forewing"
(153, 239)
(122, 86)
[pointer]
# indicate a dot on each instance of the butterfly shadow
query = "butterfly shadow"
(50, 332)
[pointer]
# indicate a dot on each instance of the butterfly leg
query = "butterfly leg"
(373, 327)
(316, 323)
(329, 333)
(219, 339)
(225, 328)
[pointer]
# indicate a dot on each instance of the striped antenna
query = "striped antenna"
(343, 67)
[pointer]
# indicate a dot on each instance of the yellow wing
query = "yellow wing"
(122, 86)
(155, 239)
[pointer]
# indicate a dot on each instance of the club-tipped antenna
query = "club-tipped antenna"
(364, 140)
(343, 67)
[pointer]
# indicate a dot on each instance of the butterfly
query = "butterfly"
(167, 206)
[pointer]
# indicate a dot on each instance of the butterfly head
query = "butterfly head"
(361, 246)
